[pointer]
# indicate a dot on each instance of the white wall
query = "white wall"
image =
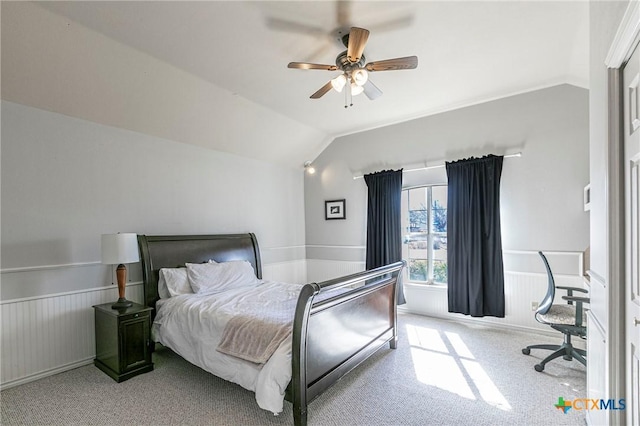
(66, 181)
(541, 192)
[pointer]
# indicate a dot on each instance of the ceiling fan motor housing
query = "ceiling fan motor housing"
(343, 63)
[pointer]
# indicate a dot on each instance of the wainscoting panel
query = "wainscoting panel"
(525, 284)
(48, 334)
(521, 290)
(289, 272)
(319, 270)
(45, 335)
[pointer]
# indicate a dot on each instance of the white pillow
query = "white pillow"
(163, 291)
(178, 284)
(175, 280)
(217, 277)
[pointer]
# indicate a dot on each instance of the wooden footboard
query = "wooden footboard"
(338, 324)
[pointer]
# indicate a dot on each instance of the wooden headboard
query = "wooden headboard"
(173, 251)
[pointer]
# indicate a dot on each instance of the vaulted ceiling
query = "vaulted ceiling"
(215, 73)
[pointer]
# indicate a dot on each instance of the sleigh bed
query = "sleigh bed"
(337, 324)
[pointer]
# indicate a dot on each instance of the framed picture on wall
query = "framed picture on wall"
(334, 209)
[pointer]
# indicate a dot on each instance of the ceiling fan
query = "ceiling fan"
(355, 73)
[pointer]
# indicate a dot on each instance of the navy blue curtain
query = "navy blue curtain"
(384, 226)
(474, 253)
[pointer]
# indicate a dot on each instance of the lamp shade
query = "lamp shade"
(120, 248)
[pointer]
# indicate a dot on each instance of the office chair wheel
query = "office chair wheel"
(526, 351)
(567, 357)
(538, 367)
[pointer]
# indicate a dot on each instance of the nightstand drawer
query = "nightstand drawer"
(134, 316)
(123, 346)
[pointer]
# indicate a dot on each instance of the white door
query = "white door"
(631, 96)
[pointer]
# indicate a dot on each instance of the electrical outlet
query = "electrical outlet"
(534, 306)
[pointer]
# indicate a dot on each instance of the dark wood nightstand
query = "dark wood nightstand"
(123, 343)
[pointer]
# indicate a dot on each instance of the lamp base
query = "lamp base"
(122, 303)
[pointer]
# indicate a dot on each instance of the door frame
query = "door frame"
(625, 41)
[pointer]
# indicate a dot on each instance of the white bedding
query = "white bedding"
(192, 326)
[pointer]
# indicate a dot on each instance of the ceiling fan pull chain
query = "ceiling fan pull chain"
(347, 91)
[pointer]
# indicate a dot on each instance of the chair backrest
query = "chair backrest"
(546, 303)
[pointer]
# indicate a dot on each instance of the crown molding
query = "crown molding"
(626, 38)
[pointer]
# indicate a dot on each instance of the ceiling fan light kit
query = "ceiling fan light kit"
(339, 82)
(356, 89)
(351, 63)
(360, 76)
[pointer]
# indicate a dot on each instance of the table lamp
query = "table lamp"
(118, 249)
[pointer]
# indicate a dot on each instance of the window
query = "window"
(424, 220)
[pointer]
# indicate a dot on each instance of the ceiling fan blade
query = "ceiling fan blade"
(320, 93)
(343, 13)
(323, 48)
(371, 90)
(295, 27)
(398, 23)
(309, 66)
(357, 39)
(406, 63)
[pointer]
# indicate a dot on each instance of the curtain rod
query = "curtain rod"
(517, 154)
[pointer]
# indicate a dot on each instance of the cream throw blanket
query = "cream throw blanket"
(256, 334)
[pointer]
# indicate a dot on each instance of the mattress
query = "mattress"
(192, 325)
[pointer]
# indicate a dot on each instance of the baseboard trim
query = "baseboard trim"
(45, 373)
(483, 322)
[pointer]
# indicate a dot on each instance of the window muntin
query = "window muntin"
(424, 221)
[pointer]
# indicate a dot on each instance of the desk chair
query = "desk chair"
(566, 318)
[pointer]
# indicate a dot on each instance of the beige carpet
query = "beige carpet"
(443, 373)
